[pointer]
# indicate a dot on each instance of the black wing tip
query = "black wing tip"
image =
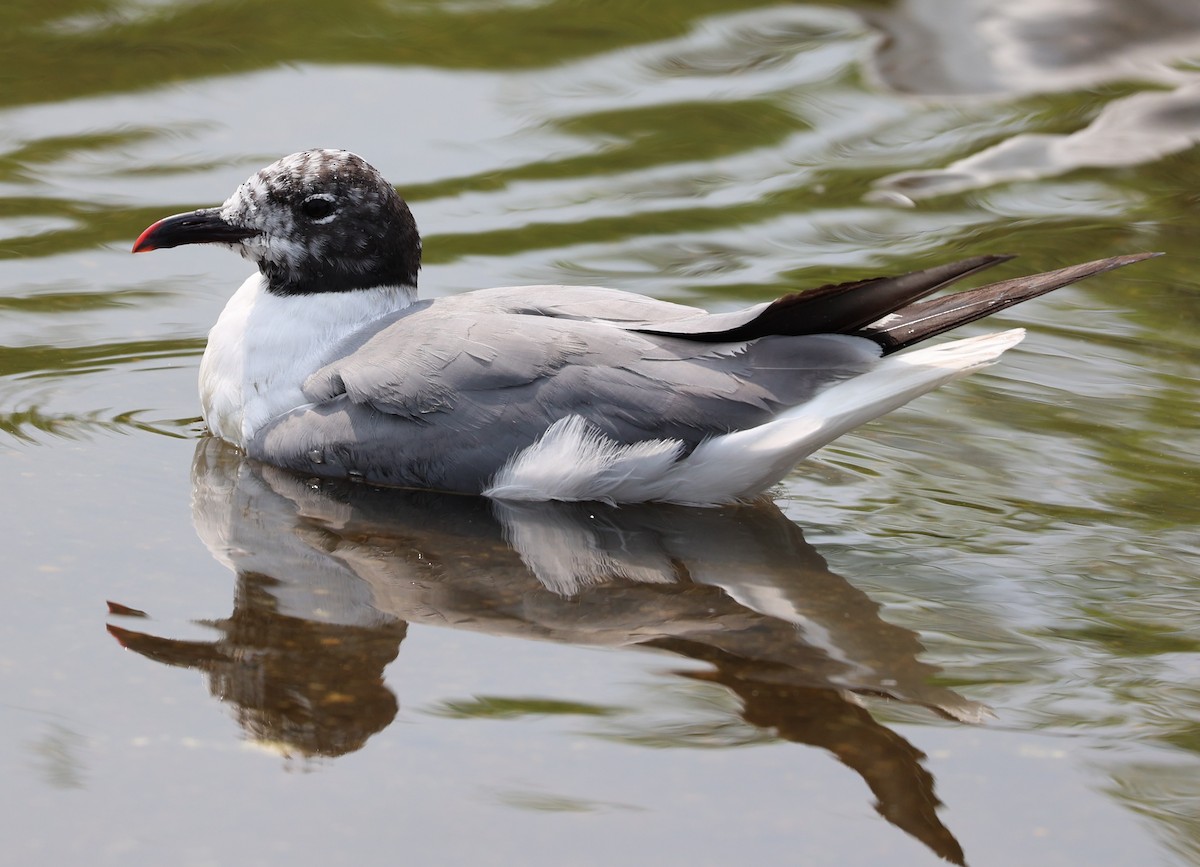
(1130, 258)
(925, 319)
(993, 258)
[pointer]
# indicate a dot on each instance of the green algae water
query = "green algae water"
(966, 632)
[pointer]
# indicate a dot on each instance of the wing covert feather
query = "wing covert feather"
(471, 372)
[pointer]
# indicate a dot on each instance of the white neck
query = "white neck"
(265, 346)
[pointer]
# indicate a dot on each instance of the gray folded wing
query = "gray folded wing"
(442, 394)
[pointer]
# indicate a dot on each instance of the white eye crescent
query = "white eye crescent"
(319, 207)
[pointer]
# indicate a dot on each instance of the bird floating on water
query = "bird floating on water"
(326, 363)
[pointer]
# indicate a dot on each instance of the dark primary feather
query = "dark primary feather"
(887, 310)
(836, 308)
(927, 319)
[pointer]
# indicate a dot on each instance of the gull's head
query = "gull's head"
(316, 221)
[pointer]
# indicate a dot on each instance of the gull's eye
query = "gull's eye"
(317, 207)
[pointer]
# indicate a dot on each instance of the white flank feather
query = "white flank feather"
(574, 461)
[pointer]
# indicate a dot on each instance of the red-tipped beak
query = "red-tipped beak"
(205, 226)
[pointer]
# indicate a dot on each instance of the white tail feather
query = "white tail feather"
(573, 461)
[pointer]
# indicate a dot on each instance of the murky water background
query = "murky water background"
(324, 675)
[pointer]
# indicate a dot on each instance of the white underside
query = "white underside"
(573, 461)
(264, 347)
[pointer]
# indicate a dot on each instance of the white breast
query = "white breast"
(265, 346)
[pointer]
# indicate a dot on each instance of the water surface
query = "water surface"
(967, 631)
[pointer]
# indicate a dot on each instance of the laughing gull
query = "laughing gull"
(326, 363)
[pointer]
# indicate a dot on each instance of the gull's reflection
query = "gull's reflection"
(330, 575)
